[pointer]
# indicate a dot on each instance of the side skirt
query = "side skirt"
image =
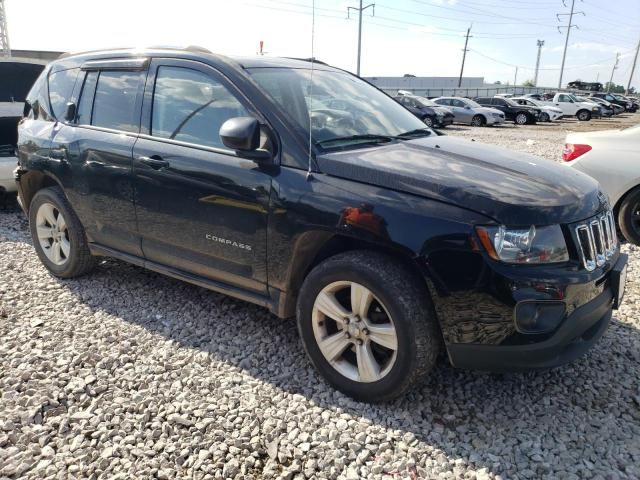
(270, 302)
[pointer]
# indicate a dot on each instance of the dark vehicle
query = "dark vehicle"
(520, 114)
(628, 105)
(608, 108)
(591, 87)
(387, 242)
(432, 114)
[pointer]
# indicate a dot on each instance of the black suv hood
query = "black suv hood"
(511, 187)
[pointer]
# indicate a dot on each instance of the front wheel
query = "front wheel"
(629, 217)
(57, 234)
(544, 117)
(584, 115)
(367, 325)
(522, 118)
(478, 121)
(428, 121)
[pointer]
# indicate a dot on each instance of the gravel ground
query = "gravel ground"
(543, 139)
(128, 374)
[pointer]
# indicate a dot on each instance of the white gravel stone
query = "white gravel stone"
(125, 374)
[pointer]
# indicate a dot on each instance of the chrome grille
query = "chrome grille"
(597, 240)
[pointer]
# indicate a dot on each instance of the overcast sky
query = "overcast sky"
(421, 37)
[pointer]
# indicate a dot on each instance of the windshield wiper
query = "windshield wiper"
(367, 138)
(418, 132)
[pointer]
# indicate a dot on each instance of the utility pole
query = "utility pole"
(615, 65)
(360, 10)
(566, 40)
(464, 54)
(515, 77)
(633, 68)
(535, 77)
(4, 34)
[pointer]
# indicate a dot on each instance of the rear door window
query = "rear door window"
(83, 116)
(191, 106)
(61, 85)
(114, 105)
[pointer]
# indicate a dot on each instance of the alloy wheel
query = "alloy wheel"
(521, 119)
(53, 234)
(354, 331)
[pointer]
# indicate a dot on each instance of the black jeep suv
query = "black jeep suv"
(387, 242)
(513, 111)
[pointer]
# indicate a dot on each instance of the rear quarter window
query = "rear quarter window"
(37, 102)
(61, 85)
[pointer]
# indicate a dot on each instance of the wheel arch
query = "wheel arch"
(32, 181)
(337, 244)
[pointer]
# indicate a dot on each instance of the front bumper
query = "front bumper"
(575, 334)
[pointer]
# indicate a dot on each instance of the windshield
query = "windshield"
(471, 103)
(425, 102)
(343, 111)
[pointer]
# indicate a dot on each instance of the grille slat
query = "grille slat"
(597, 240)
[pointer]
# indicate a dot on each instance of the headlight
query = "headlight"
(532, 245)
(595, 109)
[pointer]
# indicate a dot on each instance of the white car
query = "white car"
(612, 157)
(9, 113)
(549, 113)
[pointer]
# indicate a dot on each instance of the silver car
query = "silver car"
(469, 112)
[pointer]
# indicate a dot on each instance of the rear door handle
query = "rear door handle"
(154, 161)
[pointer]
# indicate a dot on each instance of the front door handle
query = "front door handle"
(154, 161)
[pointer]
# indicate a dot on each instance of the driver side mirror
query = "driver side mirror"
(242, 134)
(467, 107)
(70, 112)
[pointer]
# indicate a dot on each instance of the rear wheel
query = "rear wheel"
(629, 217)
(584, 115)
(478, 121)
(522, 118)
(367, 325)
(57, 235)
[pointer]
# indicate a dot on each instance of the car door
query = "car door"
(461, 111)
(503, 106)
(201, 209)
(565, 103)
(95, 150)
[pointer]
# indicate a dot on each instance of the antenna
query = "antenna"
(313, 61)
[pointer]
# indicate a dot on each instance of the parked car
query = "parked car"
(548, 113)
(603, 110)
(432, 114)
(571, 106)
(631, 105)
(612, 157)
(618, 100)
(520, 114)
(590, 86)
(469, 112)
(535, 96)
(615, 109)
(10, 114)
(386, 241)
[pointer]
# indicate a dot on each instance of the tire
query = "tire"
(583, 115)
(478, 121)
(64, 250)
(544, 117)
(629, 217)
(522, 118)
(428, 121)
(398, 300)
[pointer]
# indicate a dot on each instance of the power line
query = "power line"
(464, 55)
(360, 10)
(566, 41)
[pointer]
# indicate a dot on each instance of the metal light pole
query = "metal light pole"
(360, 10)
(535, 77)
